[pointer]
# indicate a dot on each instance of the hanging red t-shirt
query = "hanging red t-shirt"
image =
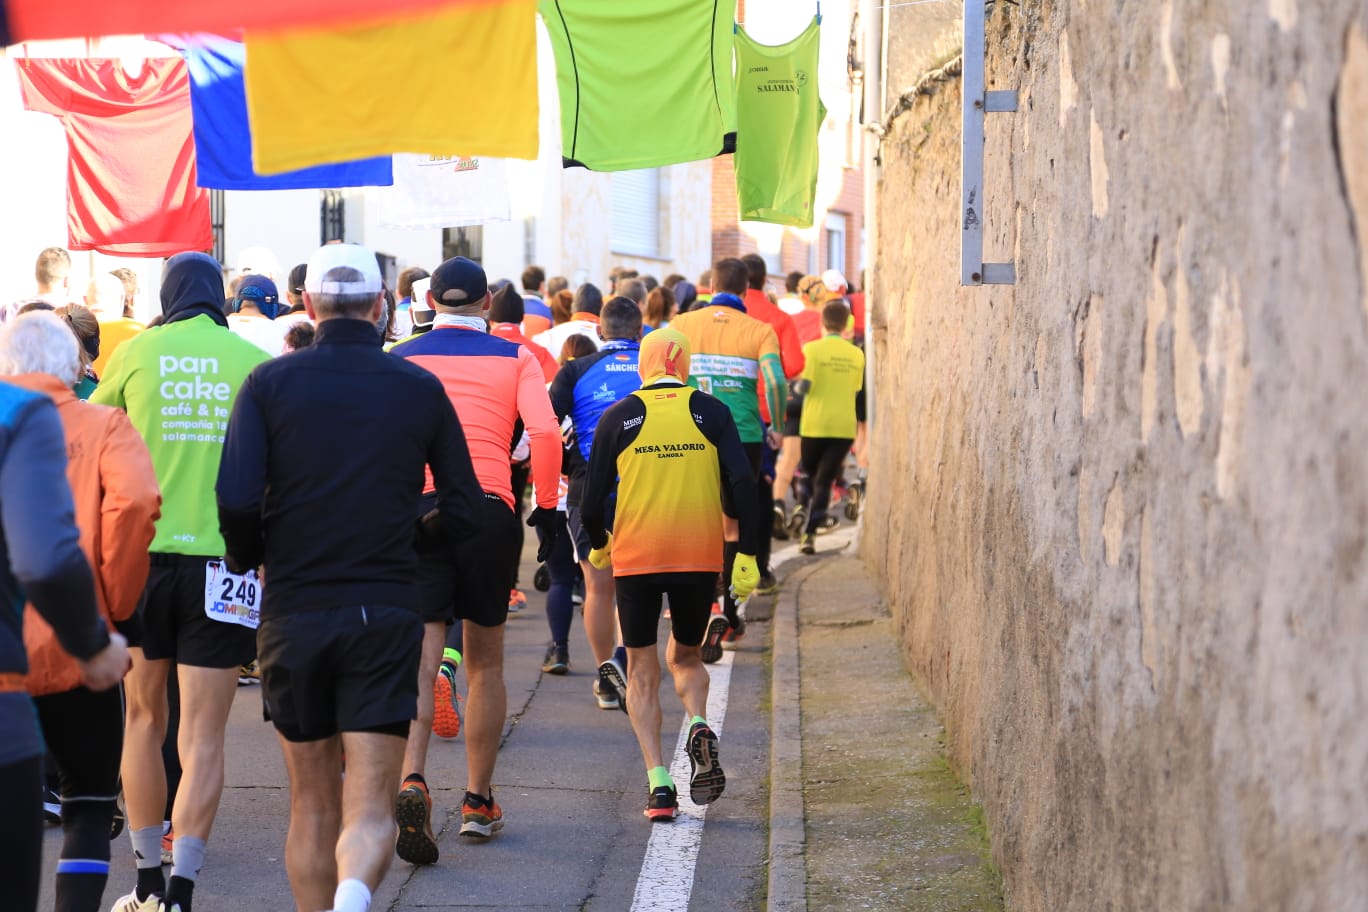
(131, 153)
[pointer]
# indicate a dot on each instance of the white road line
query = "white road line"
(667, 871)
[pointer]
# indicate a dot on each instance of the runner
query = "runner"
(833, 412)
(809, 325)
(731, 350)
(340, 631)
(674, 457)
(116, 498)
(583, 320)
(253, 314)
(759, 306)
(177, 381)
(537, 317)
(492, 384)
(582, 391)
(40, 556)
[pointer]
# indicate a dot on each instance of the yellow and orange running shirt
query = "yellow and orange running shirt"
(668, 450)
(730, 352)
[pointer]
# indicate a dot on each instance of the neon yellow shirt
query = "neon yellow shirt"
(778, 115)
(835, 369)
(643, 84)
(462, 81)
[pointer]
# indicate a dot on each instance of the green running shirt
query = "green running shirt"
(778, 116)
(177, 382)
(643, 84)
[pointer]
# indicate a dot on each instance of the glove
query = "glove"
(602, 558)
(745, 577)
(549, 525)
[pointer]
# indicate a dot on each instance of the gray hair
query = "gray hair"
(351, 306)
(40, 342)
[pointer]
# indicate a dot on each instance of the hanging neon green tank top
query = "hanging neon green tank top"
(642, 85)
(778, 115)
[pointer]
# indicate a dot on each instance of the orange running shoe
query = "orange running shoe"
(480, 816)
(413, 813)
(446, 705)
(517, 601)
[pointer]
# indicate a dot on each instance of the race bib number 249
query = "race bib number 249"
(231, 598)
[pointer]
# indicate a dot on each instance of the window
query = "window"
(463, 242)
(216, 221)
(333, 217)
(836, 242)
(636, 212)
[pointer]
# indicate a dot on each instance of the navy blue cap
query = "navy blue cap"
(458, 282)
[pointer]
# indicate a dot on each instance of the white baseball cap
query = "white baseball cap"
(258, 261)
(339, 256)
(833, 280)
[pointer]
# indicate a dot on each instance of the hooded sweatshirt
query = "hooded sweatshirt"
(178, 382)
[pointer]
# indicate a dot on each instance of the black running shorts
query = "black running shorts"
(793, 414)
(475, 585)
(174, 623)
(352, 669)
(638, 599)
(579, 536)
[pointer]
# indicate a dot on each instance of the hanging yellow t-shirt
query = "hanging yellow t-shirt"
(459, 82)
(778, 116)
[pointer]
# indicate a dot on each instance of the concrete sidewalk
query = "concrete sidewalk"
(865, 811)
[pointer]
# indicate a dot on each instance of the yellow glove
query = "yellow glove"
(745, 577)
(602, 558)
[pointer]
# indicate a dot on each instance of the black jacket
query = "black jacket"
(323, 470)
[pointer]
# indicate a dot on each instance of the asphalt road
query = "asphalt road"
(571, 782)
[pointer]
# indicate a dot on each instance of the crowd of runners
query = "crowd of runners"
(326, 491)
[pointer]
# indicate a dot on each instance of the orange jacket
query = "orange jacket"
(117, 503)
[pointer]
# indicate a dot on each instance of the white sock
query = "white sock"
(351, 896)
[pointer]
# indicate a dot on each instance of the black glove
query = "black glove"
(549, 525)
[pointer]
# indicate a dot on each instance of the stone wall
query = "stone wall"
(1121, 509)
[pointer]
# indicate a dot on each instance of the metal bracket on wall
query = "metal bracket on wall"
(977, 104)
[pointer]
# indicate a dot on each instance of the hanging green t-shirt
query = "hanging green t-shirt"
(643, 85)
(778, 115)
(178, 382)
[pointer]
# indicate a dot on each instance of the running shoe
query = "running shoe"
(168, 844)
(614, 675)
(517, 601)
(446, 704)
(480, 816)
(780, 530)
(557, 661)
(708, 780)
(131, 903)
(809, 545)
(827, 524)
(731, 640)
(712, 636)
(663, 805)
(413, 813)
(605, 694)
(52, 806)
(797, 520)
(249, 674)
(768, 584)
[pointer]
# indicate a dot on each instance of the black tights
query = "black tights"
(823, 458)
(84, 732)
(21, 834)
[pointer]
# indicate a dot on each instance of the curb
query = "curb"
(787, 890)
